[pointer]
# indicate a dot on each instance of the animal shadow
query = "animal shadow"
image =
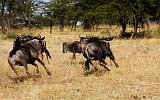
(95, 72)
(24, 78)
(101, 72)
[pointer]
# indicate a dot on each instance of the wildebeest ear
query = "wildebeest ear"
(42, 38)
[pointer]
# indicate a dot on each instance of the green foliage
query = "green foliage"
(11, 35)
(89, 12)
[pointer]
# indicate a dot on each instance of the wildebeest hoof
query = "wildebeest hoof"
(20, 80)
(86, 73)
(96, 69)
(117, 66)
(37, 71)
(49, 73)
(108, 69)
(37, 75)
(35, 79)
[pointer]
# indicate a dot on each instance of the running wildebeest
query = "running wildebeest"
(95, 48)
(27, 53)
(74, 47)
(23, 39)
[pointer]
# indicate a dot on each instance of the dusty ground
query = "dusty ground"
(136, 78)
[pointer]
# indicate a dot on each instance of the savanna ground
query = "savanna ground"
(136, 78)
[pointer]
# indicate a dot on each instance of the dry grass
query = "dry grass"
(137, 77)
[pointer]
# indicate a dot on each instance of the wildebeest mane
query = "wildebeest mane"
(12, 52)
(95, 39)
(24, 39)
(16, 46)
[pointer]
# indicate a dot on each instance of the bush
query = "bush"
(128, 35)
(144, 34)
(12, 35)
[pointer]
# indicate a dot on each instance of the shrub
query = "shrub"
(11, 35)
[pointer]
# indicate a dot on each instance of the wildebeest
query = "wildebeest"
(27, 53)
(74, 47)
(95, 48)
(26, 38)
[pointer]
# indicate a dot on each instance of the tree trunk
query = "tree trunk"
(97, 23)
(135, 24)
(3, 17)
(29, 14)
(10, 6)
(159, 26)
(86, 25)
(61, 24)
(74, 25)
(51, 24)
(124, 25)
(123, 22)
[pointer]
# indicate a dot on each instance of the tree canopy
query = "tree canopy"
(91, 13)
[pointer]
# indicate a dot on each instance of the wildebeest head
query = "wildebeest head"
(38, 44)
(74, 46)
(65, 47)
(16, 44)
(33, 40)
(21, 39)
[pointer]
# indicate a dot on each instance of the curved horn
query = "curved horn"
(39, 35)
(80, 35)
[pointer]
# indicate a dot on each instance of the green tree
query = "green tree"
(58, 10)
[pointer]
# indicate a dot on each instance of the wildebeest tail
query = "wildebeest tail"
(111, 56)
(45, 50)
(47, 53)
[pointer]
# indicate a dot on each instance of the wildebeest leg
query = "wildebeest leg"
(115, 63)
(86, 68)
(37, 70)
(112, 58)
(26, 67)
(86, 65)
(43, 66)
(47, 59)
(14, 69)
(92, 65)
(89, 60)
(73, 58)
(103, 64)
(42, 56)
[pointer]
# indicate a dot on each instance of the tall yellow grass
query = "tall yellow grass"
(136, 78)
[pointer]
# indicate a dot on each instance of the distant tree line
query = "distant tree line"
(91, 13)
